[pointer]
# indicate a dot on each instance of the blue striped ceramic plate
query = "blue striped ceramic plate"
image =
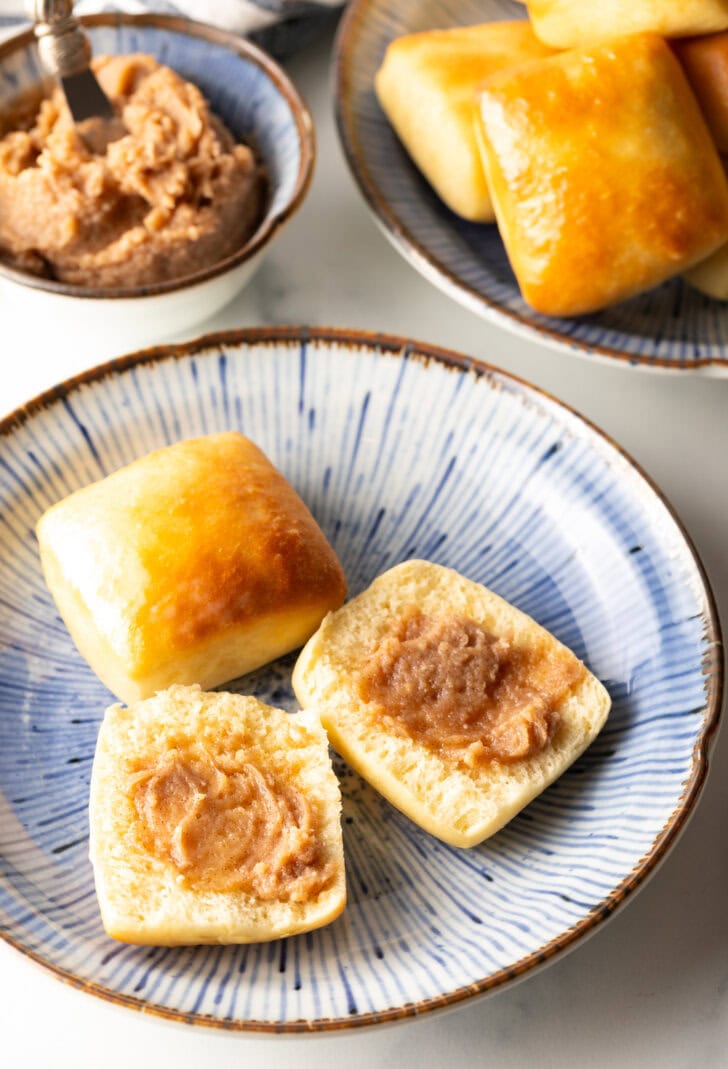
(400, 450)
(672, 327)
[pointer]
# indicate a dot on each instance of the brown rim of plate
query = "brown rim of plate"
(713, 669)
(270, 224)
(419, 256)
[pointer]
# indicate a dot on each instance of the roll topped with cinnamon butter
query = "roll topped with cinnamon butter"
(452, 703)
(214, 818)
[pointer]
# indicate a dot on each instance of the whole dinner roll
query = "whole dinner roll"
(195, 564)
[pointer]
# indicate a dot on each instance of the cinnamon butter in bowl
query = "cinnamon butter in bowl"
(169, 223)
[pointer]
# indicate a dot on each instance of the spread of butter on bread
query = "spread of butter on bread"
(452, 703)
(214, 819)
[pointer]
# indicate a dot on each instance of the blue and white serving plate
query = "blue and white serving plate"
(672, 327)
(401, 450)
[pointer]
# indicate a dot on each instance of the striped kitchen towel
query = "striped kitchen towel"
(281, 26)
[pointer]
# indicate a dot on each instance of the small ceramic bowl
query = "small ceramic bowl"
(260, 106)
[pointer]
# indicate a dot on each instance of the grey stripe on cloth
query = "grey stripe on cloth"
(279, 25)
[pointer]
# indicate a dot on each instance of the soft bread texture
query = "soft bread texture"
(459, 805)
(576, 23)
(142, 898)
(603, 174)
(195, 564)
(705, 62)
(426, 87)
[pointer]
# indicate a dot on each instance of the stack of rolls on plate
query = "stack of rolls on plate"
(217, 818)
(214, 818)
(592, 133)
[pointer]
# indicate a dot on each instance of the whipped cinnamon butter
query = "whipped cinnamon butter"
(465, 693)
(226, 824)
(175, 194)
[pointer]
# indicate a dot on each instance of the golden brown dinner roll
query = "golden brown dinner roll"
(705, 62)
(580, 23)
(603, 174)
(195, 564)
(214, 819)
(453, 704)
(426, 87)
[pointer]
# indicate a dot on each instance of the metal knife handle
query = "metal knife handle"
(63, 46)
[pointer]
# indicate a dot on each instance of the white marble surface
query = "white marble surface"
(651, 987)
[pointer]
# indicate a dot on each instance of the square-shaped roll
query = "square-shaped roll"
(603, 174)
(578, 23)
(452, 703)
(426, 87)
(214, 819)
(195, 564)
